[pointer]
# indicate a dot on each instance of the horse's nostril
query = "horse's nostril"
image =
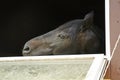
(26, 49)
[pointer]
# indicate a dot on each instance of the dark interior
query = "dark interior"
(21, 21)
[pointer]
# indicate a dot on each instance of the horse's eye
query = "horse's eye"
(61, 36)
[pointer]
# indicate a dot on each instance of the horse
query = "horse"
(79, 36)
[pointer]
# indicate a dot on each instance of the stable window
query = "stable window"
(56, 67)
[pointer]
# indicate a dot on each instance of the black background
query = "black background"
(23, 20)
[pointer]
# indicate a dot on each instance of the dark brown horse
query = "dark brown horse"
(74, 37)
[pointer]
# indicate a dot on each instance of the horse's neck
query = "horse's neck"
(99, 33)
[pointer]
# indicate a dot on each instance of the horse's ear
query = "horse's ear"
(89, 19)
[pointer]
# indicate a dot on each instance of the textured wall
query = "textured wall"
(114, 32)
(45, 69)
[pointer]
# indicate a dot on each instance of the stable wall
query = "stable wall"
(114, 70)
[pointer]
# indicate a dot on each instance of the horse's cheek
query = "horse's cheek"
(63, 47)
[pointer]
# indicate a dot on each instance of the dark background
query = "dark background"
(21, 21)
